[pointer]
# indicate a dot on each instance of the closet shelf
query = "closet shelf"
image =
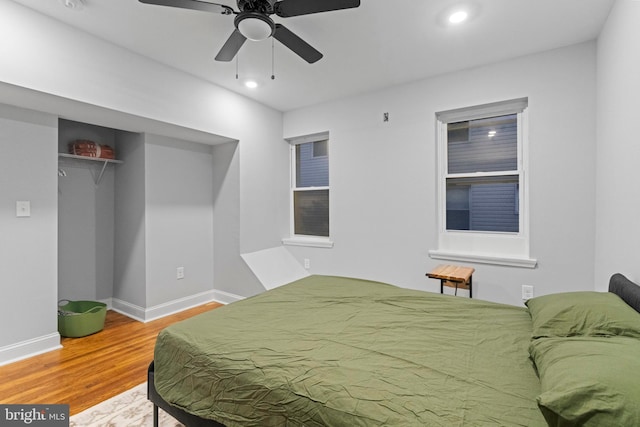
(103, 162)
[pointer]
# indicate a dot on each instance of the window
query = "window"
(482, 187)
(482, 176)
(310, 191)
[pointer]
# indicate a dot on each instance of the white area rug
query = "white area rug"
(129, 409)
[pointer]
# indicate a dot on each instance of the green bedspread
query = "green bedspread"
(333, 351)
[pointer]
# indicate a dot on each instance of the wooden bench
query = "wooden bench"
(453, 276)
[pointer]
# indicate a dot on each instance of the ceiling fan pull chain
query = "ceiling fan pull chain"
(237, 56)
(273, 73)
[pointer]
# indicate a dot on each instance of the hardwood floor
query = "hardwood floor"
(89, 370)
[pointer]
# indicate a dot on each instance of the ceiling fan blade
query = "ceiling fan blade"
(231, 46)
(296, 44)
(193, 4)
(287, 8)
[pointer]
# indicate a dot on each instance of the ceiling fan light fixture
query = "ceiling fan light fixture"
(254, 26)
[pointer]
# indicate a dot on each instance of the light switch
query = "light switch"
(23, 208)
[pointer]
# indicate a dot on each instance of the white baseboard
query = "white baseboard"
(130, 310)
(25, 349)
(142, 314)
(175, 306)
(225, 297)
(108, 301)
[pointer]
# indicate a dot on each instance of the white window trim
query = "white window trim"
(497, 248)
(303, 239)
(309, 241)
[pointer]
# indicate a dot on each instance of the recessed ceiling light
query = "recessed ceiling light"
(458, 17)
(251, 84)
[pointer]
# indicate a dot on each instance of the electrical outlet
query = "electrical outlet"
(307, 263)
(180, 273)
(527, 292)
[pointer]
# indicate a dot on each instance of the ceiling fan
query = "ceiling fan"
(254, 23)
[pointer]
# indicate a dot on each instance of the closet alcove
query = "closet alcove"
(126, 227)
(86, 214)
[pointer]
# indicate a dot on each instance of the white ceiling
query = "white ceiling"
(379, 44)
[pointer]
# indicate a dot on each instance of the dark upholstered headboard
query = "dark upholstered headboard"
(625, 289)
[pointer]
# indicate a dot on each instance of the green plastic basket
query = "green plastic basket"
(80, 318)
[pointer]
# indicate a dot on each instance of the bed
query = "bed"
(336, 351)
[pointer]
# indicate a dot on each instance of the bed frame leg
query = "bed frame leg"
(155, 415)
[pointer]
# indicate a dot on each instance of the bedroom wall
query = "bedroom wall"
(232, 277)
(129, 284)
(178, 218)
(618, 152)
(383, 213)
(28, 171)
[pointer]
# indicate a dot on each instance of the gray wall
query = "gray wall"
(178, 218)
(231, 273)
(383, 207)
(618, 185)
(28, 171)
(129, 270)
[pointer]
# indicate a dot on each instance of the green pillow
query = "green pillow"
(589, 381)
(582, 313)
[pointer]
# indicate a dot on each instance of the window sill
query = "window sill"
(314, 242)
(521, 262)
